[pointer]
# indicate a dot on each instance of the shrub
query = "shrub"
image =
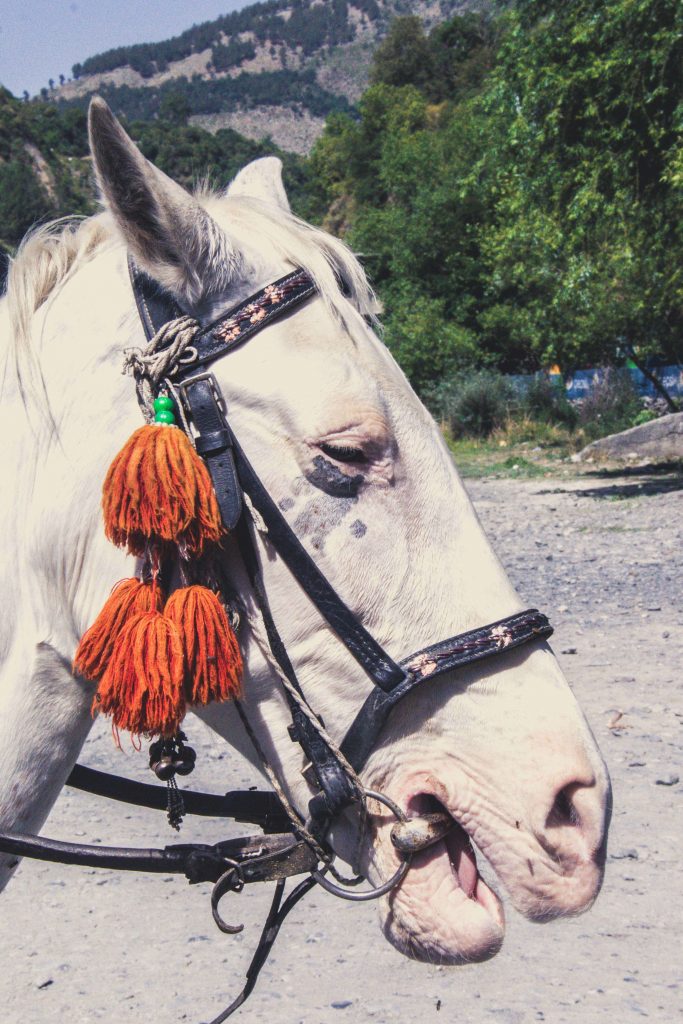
(473, 404)
(644, 416)
(611, 406)
(545, 401)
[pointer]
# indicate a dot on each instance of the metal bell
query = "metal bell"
(156, 750)
(164, 768)
(184, 760)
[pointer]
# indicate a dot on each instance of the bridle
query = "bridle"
(292, 844)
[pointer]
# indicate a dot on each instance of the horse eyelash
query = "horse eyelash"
(343, 453)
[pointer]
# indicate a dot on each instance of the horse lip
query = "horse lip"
(443, 911)
(458, 835)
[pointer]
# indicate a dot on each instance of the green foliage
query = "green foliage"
(404, 56)
(42, 173)
(202, 96)
(473, 404)
(224, 57)
(425, 344)
(43, 136)
(309, 27)
(644, 416)
(23, 201)
(585, 115)
(174, 108)
(449, 63)
(526, 176)
(545, 401)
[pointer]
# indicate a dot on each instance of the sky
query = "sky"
(41, 39)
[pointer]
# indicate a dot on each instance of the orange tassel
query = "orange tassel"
(142, 686)
(158, 487)
(212, 656)
(129, 598)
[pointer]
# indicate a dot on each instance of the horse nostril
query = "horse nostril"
(563, 810)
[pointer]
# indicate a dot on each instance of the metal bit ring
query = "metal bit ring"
(320, 875)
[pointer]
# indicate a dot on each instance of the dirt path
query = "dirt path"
(80, 946)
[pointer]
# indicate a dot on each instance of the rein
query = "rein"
(175, 364)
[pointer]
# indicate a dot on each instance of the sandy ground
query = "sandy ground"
(604, 559)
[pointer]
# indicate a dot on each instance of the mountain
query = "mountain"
(273, 69)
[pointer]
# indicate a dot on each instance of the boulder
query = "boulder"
(661, 440)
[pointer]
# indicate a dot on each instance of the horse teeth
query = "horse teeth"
(418, 833)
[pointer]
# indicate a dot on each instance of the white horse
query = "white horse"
(502, 745)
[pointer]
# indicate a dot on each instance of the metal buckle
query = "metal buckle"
(180, 387)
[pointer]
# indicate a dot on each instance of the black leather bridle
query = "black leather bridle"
(289, 847)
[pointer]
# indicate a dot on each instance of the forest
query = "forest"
(308, 26)
(210, 96)
(512, 181)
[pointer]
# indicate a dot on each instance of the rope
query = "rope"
(295, 819)
(261, 639)
(158, 359)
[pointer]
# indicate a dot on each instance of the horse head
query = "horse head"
(362, 475)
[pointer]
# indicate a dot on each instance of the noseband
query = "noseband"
(293, 843)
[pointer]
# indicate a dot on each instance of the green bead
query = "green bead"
(164, 416)
(163, 403)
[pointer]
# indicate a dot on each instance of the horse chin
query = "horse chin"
(443, 912)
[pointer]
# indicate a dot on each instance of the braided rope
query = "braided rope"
(158, 359)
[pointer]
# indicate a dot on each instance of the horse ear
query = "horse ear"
(261, 179)
(168, 233)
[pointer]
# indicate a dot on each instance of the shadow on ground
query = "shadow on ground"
(643, 481)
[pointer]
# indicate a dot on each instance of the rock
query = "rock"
(658, 441)
(667, 780)
(341, 1004)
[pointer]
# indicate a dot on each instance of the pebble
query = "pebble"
(667, 780)
(341, 1004)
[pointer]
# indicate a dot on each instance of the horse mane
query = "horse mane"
(52, 253)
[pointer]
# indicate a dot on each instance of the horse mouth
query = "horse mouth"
(444, 911)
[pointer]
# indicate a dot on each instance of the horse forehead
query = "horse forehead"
(311, 360)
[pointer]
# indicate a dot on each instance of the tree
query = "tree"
(404, 56)
(536, 208)
(22, 200)
(174, 107)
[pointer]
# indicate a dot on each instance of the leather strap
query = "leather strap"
(463, 649)
(213, 441)
(383, 671)
(259, 808)
(337, 789)
(199, 862)
(241, 322)
(155, 305)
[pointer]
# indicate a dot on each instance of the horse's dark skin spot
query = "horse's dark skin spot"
(320, 516)
(531, 867)
(286, 504)
(358, 528)
(330, 479)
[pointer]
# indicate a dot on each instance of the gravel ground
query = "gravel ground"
(604, 559)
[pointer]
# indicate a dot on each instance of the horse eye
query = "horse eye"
(343, 453)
